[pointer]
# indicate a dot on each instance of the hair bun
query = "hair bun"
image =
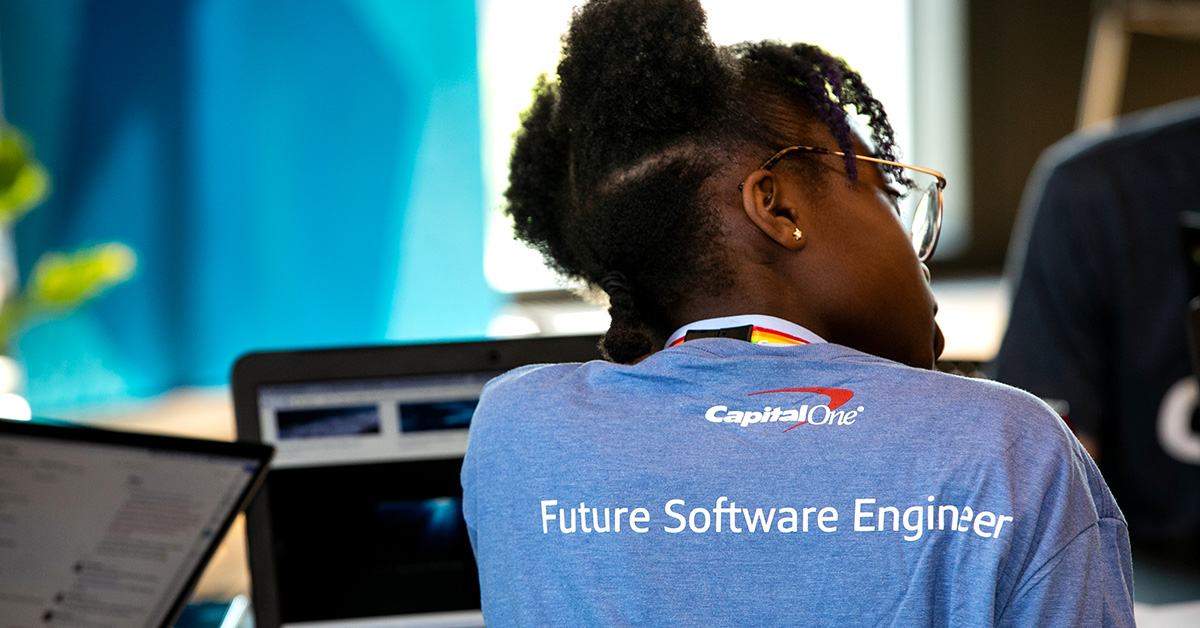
(638, 73)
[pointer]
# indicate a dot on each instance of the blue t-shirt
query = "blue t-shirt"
(725, 483)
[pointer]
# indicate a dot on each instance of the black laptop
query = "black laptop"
(104, 528)
(360, 522)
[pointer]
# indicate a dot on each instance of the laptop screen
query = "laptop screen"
(360, 522)
(110, 529)
(366, 500)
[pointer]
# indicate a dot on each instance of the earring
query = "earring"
(797, 234)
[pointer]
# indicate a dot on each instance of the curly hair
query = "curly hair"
(612, 166)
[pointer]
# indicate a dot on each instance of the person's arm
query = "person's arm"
(1076, 568)
(1088, 583)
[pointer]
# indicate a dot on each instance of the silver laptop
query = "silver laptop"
(101, 528)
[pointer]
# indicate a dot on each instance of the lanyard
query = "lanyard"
(753, 328)
(750, 333)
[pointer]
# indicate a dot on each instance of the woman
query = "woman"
(788, 457)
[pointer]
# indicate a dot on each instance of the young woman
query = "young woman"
(768, 444)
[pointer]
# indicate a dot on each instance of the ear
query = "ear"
(772, 211)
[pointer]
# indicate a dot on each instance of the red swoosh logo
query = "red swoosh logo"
(837, 397)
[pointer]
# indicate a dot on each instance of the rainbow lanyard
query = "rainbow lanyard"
(750, 333)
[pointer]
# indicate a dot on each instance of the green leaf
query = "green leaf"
(62, 281)
(23, 181)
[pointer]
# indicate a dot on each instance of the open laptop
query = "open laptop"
(360, 522)
(102, 528)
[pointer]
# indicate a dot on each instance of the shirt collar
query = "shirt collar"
(763, 322)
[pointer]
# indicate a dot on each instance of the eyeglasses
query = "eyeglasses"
(921, 214)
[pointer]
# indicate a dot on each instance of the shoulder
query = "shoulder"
(522, 382)
(990, 419)
(530, 375)
(987, 396)
(1017, 446)
(536, 388)
(1014, 416)
(1039, 445)
(993, 398)
(1173, 125)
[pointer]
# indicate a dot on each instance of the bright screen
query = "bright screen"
(105, 535)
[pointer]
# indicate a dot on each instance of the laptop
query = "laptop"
(103, 528)
(360, 522)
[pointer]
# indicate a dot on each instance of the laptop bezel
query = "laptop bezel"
(255, 370)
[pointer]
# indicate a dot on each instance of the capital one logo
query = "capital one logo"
(793, 416)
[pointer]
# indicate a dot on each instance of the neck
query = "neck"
(762, 280)
(782, 304)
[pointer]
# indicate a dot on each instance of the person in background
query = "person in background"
(768, 443)
(1100, 314)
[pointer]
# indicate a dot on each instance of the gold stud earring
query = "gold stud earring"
(797, 234)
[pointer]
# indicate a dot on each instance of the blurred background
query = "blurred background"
(329, 172)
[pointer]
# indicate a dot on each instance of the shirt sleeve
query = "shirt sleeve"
(1088, 583)
(1058, 342)
(1082, 578)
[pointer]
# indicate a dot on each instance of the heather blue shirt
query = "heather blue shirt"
(725, 483)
